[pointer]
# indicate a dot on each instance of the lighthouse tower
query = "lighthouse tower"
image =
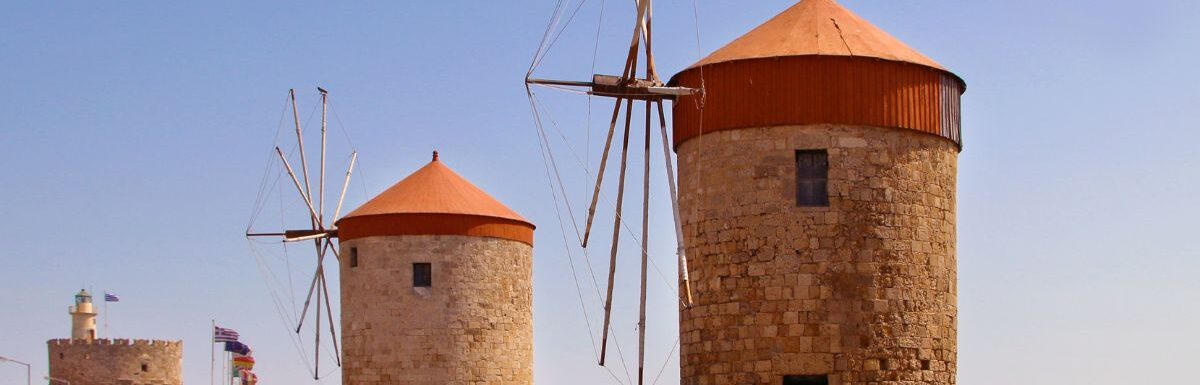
(436, 284)
(83, 317)
(817, 194)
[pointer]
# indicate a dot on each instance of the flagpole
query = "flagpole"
(212, 351)
(106, 315)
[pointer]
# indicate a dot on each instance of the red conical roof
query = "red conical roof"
(817, 27)
(433, 200)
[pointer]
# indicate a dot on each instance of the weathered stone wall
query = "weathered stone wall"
(116, 361)
(863, 290)
(473, 326)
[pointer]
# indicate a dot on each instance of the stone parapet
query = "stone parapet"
(116, 361)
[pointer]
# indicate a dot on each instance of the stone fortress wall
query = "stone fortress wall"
(863, 290)
(116, 361)
(472, 326)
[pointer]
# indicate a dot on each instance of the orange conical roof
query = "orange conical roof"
(435, 189)
(817, 27)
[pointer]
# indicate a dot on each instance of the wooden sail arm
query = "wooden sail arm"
(298, 235)
(615, 86)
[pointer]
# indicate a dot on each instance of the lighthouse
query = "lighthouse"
(817, 177)
(436, 285)
(83, 317)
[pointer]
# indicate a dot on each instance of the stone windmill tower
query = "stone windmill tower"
(436, 285)
(817, 191)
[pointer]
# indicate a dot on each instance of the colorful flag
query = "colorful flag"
(111, 297)
(237, 347)
(221, 334)
(243, 362)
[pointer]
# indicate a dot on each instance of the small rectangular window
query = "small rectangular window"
(806, 380)
(812, 178)
(353, 257)
(422, 275)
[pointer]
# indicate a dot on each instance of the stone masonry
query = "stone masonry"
(116, 361)
(473, 326)
(863, 291)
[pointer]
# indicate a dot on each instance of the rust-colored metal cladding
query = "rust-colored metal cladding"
(818, 63)
(435, 200)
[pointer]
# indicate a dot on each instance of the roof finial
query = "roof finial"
(435, 156)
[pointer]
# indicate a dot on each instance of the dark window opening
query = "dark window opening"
(145, 368)
(422, 275)
(812, 178)
(353, 257)
(60, 356)
(924, 364)
(806, 380)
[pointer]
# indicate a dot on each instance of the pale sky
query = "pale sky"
(133, 139)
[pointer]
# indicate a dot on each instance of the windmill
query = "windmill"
(626, 89)
(320, 231)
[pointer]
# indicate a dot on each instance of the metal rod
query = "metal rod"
(680, 251)
(612, 259)
(645, 245)
(28, 371)
(612, 127)
(338, 211)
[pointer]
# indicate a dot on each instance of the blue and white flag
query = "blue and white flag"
(111, 297)
(221, 334)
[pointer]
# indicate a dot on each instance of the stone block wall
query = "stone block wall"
(473, 326)
(863, 290)
(116, 361)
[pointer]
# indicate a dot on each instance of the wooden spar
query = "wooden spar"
(317, 335)
(612, 260)
(645, 245)
(612, 127)
(308, 298)
(307, 191)
(680, 251)
(321, 186)
(651, 70)
(311, 211)
(309, 237)
(329, 312)
(316, 222)
(619, 87)
(645, 208)
(346, 183)
(631, 62)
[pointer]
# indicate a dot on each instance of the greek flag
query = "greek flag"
(221, 334)
(111, 297)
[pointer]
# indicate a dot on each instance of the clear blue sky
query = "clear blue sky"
(133, 137)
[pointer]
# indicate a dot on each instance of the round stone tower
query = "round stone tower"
(817, 191)
(436, 283)
(83, 317)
